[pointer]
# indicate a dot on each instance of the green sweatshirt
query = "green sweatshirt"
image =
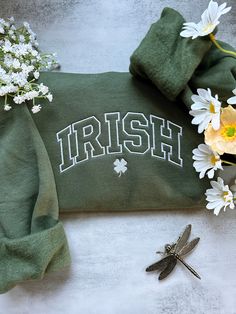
(117, 143)
(107, 142)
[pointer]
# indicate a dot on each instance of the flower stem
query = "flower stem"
(228, 162)
(213, 39)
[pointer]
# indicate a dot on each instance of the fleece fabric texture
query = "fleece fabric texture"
(107, 142)
(178, 66)
(112, 118)
(167, 59)
(217, 71)
(32, 240)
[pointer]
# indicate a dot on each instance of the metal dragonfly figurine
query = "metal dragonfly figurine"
(174, 252)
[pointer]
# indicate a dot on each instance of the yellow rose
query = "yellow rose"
(223, 140)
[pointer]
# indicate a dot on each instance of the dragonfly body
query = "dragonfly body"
(173, 253)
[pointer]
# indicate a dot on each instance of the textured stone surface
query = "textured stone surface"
(100, 35)
(110, 251)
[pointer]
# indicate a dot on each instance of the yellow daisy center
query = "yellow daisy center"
(225, 195)
(208, 27)
(212, 107)
(229, 132)
(214, 159)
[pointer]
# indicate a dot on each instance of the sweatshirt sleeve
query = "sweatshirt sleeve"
(32, 240)
(167, 59)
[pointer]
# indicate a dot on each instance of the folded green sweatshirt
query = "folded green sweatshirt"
(107, 142)
(32, 240)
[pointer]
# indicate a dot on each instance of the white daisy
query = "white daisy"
(209, 21)
(190, 30)
(220, 196)
(232, 100)
(206, 160)
(36, 108)
(233, 187)
(205, 109)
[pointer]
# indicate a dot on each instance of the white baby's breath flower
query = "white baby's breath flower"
(22, 38)
(15, 63)
(36, 108)
(43, 89)
(232, 100)
(20, 60)
(36, 74)
(27, 87)
(13, 27)
(205, 109)
(2, 29)
(209, 21)
(8, 89)
(26, 25)
(19, 78)
(26, 69)
(206, 160)
(7, 107)
(11, 89)
(49, 97)
(34, 52)
(219, 196)
(8, 59)
(2, 71)
(18, 99)
(20, 49)
(6, 78)
(3, 90)
(31, 95)
(34, 94)
(7, 47)
(7, 24)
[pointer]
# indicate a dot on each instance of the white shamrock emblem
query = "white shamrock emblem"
(120, 166)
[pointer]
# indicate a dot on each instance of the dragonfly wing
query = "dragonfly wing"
(183, 239)
(189, 247)
(160, 264)
(168, 269)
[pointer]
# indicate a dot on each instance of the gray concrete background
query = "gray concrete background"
(110, 251)
(100, 35)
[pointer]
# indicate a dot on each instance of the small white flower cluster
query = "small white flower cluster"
(20, 65)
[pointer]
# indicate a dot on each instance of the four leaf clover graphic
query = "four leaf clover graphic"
(120, 166)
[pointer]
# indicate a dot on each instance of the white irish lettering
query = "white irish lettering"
(134, 133)
(166, 140)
